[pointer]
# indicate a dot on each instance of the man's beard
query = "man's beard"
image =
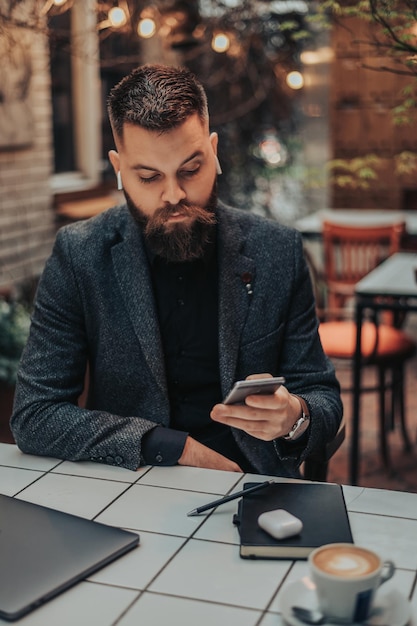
(178, 241)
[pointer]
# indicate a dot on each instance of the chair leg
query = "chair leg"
(382, 419)
(394, 397)
(398, 389)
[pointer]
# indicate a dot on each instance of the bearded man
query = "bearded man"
(167, 300)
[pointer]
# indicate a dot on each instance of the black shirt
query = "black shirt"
(186, 296)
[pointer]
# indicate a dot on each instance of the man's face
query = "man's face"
(169, 184)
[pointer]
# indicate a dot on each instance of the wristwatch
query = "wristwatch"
(301, 424)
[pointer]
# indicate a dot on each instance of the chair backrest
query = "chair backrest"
(351, 252)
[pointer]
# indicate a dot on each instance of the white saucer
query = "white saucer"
(391, 607)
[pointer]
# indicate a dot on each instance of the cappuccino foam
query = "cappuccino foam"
(346, 561)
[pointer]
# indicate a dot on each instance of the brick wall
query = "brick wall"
(26, 217)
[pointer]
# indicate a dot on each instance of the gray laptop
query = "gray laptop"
(43, 552)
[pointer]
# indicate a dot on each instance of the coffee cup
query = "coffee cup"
(346, 577)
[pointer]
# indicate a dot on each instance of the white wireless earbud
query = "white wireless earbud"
(218, 166)
(119, 181)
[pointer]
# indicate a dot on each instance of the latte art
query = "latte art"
(349, 562)
(346, 577)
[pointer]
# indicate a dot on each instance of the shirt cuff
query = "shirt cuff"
(163, 446)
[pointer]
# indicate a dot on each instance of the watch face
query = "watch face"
(299, 428)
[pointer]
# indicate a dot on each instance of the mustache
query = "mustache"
(162, 215)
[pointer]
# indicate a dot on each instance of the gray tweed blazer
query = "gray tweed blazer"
(95, 306)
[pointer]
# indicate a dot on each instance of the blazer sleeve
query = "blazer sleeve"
(46, 418)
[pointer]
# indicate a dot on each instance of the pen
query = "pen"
(232, 496)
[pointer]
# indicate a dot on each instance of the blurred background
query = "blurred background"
(314, 104)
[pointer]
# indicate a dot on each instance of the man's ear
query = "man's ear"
(214, 140)
(115, 160)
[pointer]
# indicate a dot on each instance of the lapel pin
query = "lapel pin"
(247, 279)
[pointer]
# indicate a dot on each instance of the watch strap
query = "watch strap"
(302, 422)
(304, 407)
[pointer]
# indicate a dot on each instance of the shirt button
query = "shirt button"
(118, 460)
(158, 458)
(109, 460)
(181, 302)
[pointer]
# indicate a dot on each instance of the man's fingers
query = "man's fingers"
(255, 376)
(262, 412)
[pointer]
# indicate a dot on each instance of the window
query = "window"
(76, 98)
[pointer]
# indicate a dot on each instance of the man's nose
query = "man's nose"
(173, 193)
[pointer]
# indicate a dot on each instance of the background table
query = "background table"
(187, 570)
(391, 286)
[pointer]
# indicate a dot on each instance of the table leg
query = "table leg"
(357, 362)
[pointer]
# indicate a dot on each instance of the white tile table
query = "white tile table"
(187, 570)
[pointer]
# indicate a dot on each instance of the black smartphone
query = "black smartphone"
(243, 388)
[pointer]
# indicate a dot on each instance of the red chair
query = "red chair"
(349, 254)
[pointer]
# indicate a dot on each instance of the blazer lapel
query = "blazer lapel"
(132, 272)
(236, 273)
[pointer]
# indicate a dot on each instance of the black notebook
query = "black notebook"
(320, 506)
(43, 552)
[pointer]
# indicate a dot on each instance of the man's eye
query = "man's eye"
(189, 173)
(149, 179)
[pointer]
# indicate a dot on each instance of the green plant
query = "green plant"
(357, 173)
(14, 331)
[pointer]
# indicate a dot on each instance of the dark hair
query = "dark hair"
(156, 97)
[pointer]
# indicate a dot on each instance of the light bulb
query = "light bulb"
(117, 17)
(220, 42)
(146, 28)
(295, 80)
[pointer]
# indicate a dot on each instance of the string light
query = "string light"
(146, 28)
(220, 42)
(117, 17)
(168, 25)
(295, 80)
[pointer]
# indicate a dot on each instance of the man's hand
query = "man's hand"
(265, 417)
(196, 454)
